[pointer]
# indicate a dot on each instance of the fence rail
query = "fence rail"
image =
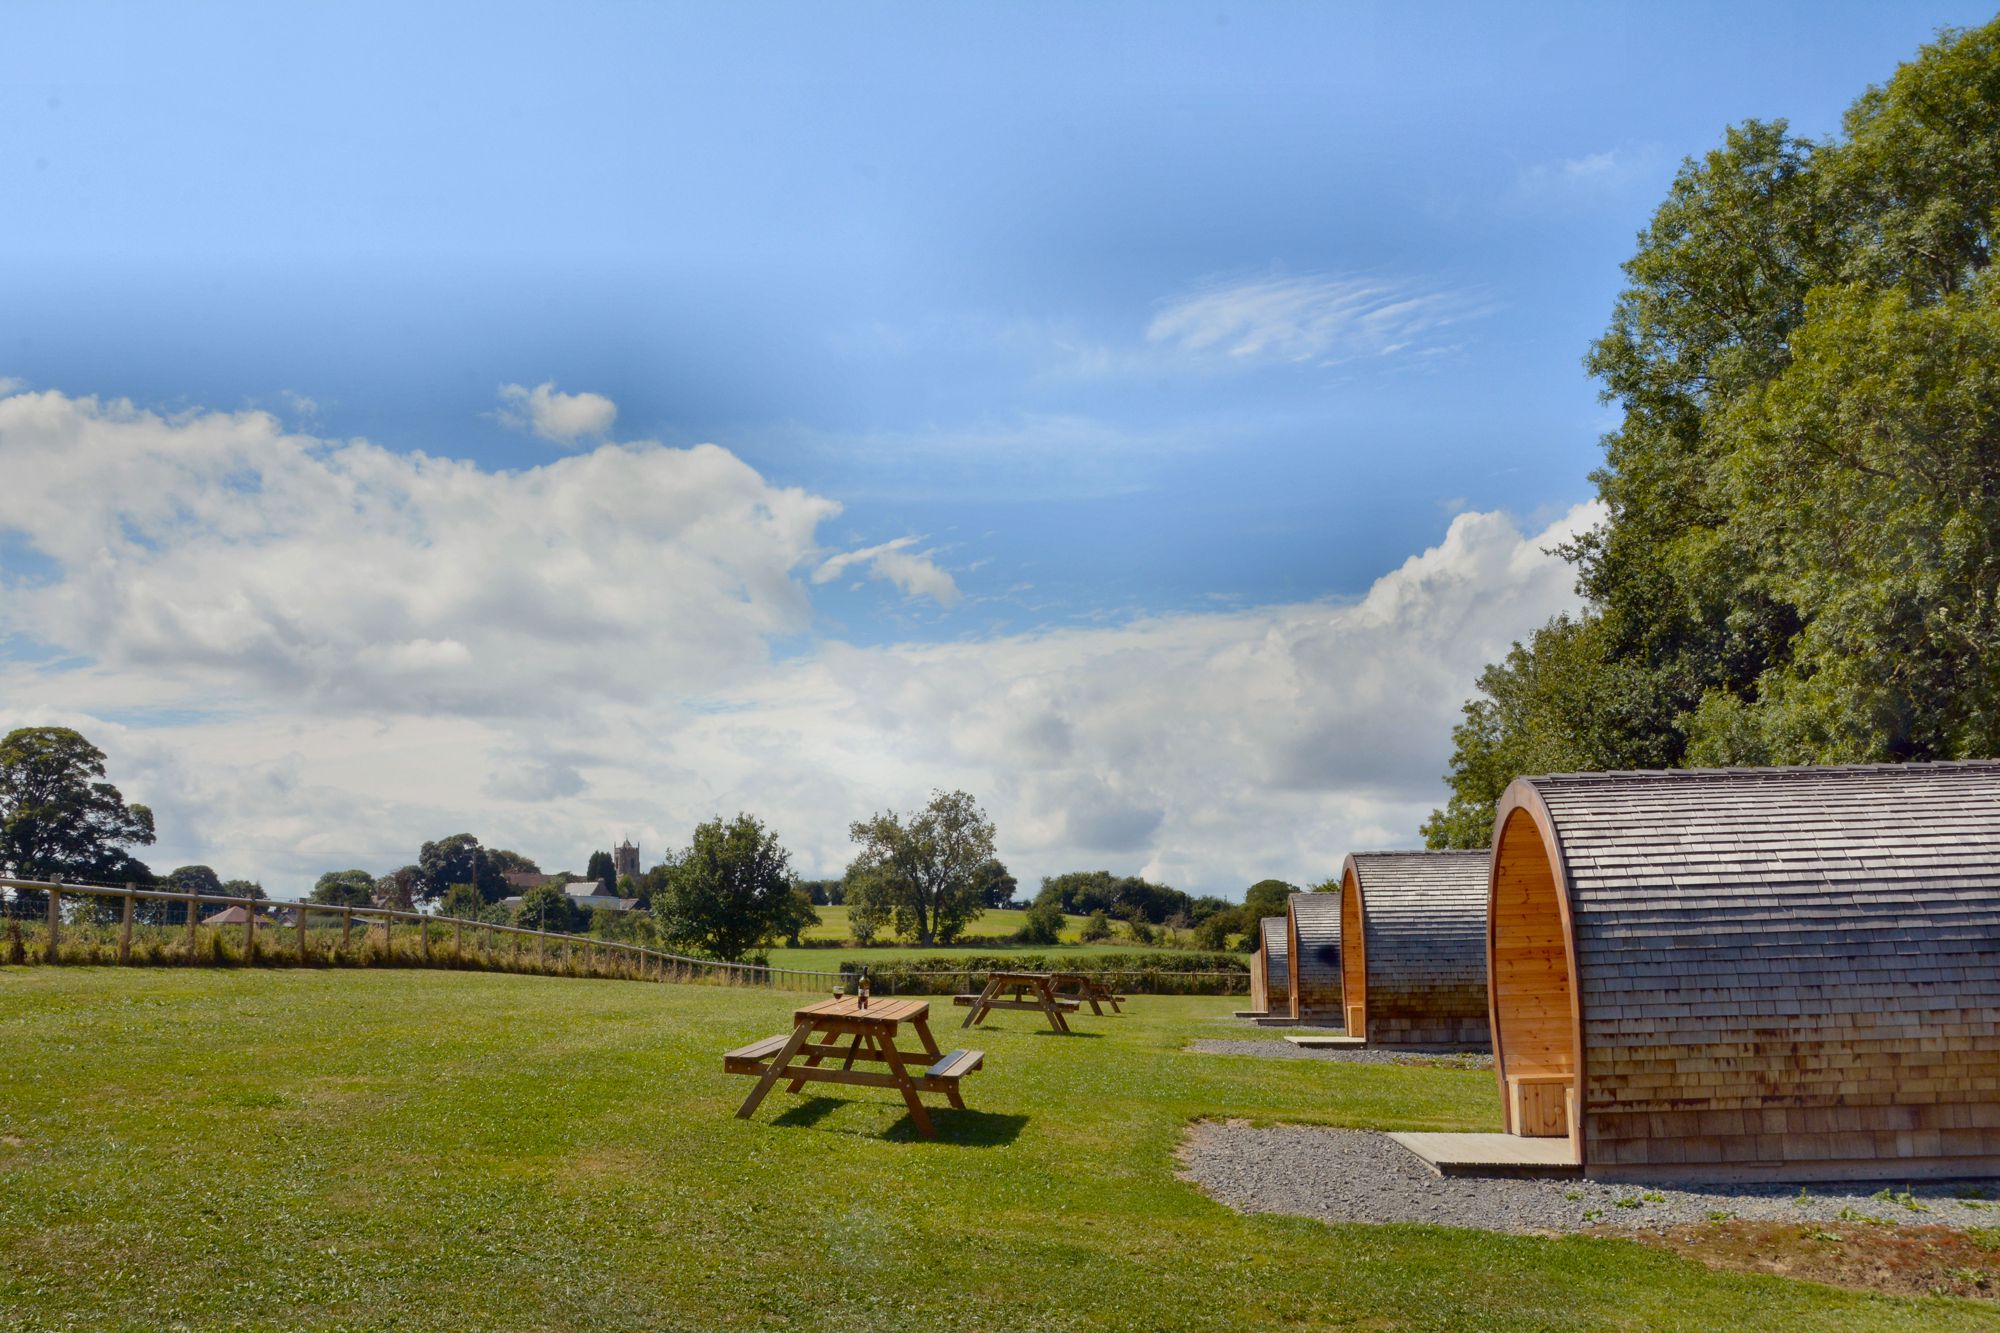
(439, 940)
(436, 941)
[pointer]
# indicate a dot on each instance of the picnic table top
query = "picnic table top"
(847, 1009)
(1017, 976)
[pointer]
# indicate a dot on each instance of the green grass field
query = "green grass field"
(833, 925)
(413, 1150)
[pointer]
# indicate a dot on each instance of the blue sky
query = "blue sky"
(1101, 312)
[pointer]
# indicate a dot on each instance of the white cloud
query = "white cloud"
(1212, 749)
(219, 550)
(554, 415)
(914, 572)
(1312, 318)
(308, 655)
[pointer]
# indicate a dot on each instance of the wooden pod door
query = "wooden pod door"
(1534, 1014)
(1353, 955)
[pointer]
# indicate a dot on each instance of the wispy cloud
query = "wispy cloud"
(1592, 175)
(1321, 318)
(554, 415)
(914, 572)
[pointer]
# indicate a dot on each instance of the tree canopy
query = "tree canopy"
(1801, 545)
(59, 817)
(930, 866)
(345, 888)
(459, 859)
(729, 892)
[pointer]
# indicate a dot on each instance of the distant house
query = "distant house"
(590, 893)
(522, 880)
(585, 893)
(228, 916)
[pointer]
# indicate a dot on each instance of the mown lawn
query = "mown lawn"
(406, 1149)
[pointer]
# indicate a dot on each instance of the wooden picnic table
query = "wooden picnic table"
(1085, 989)
(817, 1033)
(1033, 991)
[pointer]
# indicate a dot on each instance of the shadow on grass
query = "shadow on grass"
(962, 1129)
(1073, 1032)
(810, 1112)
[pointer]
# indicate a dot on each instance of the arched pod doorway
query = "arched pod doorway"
(1531, 966)
(1272, 964)
(1772, 974)
(1353, 955)
(1413, 947)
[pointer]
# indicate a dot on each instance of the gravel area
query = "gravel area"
(1360, 1055)
(1352, 1175)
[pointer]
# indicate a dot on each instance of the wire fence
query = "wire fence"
(58, 922)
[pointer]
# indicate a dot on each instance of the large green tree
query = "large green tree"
(59, 817)
(1268, 897)
(345, 888)
(729, 892)
(929, 865)
(458, 859)
(1798, 557)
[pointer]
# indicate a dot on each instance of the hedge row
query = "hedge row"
(1141, 973)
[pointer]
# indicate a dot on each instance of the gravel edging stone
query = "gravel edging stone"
(1352, 1175)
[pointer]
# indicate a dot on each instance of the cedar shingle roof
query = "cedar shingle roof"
(1818, 944)
(1424, 923)
(1313, 968)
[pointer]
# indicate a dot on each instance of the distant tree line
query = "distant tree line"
(926, 874)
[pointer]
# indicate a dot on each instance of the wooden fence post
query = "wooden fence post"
(302, 932)
(55, 922)
(193, 923)
(424, 938)
(249, 935)
(346, 927)
(125, 929)
(457, 939)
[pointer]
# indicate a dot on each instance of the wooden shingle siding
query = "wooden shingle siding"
(1274, 957)
(1419, 977)
(1312, 942)
(1781, 972)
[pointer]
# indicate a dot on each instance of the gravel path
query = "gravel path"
(1352, 1175)
(1284, 1050)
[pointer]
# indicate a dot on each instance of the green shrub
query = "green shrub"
(1143, 973)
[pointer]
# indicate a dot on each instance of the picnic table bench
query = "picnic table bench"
(1086, 989)
(818, 1031)
(1032, 991)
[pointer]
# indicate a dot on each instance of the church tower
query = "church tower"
(624, 861)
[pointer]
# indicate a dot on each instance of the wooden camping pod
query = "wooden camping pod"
(1312, 955)
(1752, 973)
(1413, 961)
(1269, 988)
